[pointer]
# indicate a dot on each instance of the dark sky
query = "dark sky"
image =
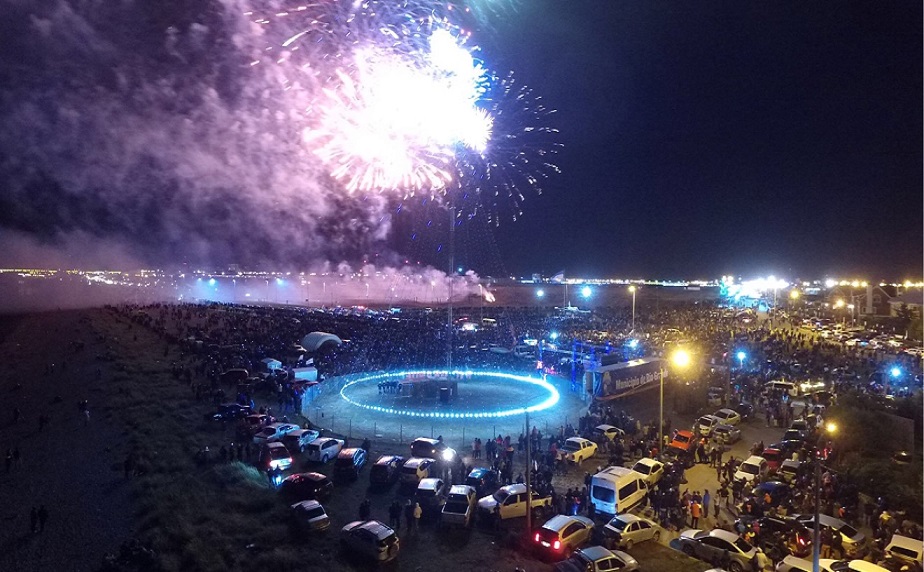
(699, 138)
(703, 138)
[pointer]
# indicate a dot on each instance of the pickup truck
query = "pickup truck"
(511, 501)
(460, 506)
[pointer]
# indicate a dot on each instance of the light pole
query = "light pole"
(830, 429)
(681, 359)
(632, 289)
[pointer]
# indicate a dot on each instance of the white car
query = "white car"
(706, 424)
(609, 431)
(651, 470)
(625, 530)
(711, 546)
(415, 470)
(310, 515)
(273, 432)
(751, 470)
(370, 538)
(577, 449)
(905, 549)
(728, 416)
(323, 449)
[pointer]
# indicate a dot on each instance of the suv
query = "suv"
(433, 449)
(323, 449)
(561, 534)
(415, 469)
(273, 432)
(349, 463)
(460, 506)
(297, 441)
(370, 538)
(510, 502)
(577, 449)
(483, 479)
(385, 471)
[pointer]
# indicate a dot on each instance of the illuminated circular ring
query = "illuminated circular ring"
(549, 401)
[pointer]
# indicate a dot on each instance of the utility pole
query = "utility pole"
(529, 481)
(451, 275)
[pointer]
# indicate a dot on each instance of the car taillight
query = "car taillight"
(556, 545)
(537, 537)
(801, 541)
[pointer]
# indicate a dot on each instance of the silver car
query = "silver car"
(713, 546)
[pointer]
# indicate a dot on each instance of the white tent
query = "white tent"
(313, 341)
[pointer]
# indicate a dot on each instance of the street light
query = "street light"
(540, 293)
(794, 295)
(586, 291)
(632, 289)
(830, 429)
(681, 359)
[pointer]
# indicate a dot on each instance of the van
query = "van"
(616, 490)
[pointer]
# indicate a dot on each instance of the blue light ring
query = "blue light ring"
(550, 401)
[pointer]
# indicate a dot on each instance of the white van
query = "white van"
(616, 490)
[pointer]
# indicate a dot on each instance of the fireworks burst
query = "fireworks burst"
(392, 98)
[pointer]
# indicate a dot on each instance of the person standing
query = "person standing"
(707, 498)
(695, 510)
(409, 515)
(418, 512)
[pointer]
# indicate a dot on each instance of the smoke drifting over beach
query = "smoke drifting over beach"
(138, 130)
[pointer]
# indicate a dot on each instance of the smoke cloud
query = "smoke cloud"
(139, 132)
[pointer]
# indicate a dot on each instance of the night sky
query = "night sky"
(698, 139)
(704, 138)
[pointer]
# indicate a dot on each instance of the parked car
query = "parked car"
(650, 469)
(728, 416)
(609, 431)
(275, 456)
(561, 535)
(745, 410)
(323, 449)
(706, 423)
(683, 440)
(726, 434)
(249, 425)
(459, 509)
(779, 493)
(751, 469)
(484, 480)
(386, 470)
(415, 469)
(273, 432)
(854, 542)
(309, 515)
(577, 449)
(370, 538)
(905, 549)
(229, 412)
(297, 441)
(794, 435)
(349, 463)
(306, 486)
(790, 469)
(598, 559)
(711, 546)
(774, 458)
(626, 530)
(511, 502)
(431, 495)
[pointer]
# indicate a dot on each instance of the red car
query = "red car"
(684, 440)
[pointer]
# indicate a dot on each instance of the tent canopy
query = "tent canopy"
(313, 341)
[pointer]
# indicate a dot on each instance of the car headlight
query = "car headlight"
(449, 455)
